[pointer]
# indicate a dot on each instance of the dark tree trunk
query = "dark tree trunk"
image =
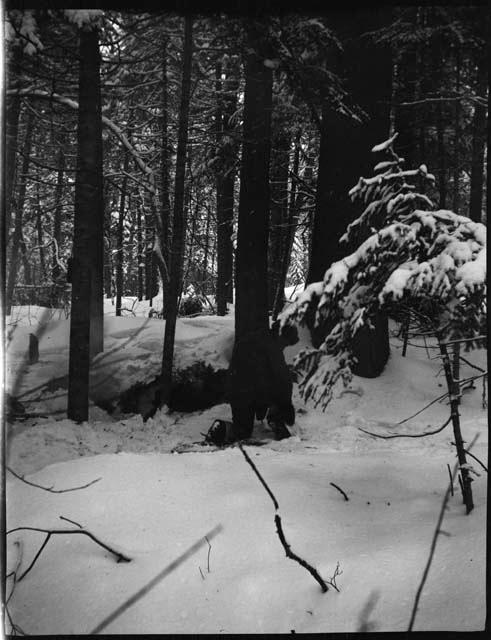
(18, 206)
(120, 240)
(165, 236)
(345, 155)
(225, 193)
(289, 236)
(478, 144)
(251, 265)
(108, 260)
(86, 317)
(178, 226)
(40, 237)
(279, 211)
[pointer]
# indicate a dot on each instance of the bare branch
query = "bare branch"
(340, 490)
(407, 435)
(50, 532)
(50, 489)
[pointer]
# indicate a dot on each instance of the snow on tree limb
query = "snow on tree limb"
(408, 255)
(73, 104)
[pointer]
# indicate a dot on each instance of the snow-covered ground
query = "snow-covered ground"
(153, 503)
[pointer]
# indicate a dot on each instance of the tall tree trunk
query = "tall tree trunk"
(120, 239)
(345, 154)
(18, 214)
(40, 236)
(85, 327)
(165, 238)
(225, 191)
(279, 211)
(478, 144)
(251, 262)
(178, 226)
(289, 236)
(108, 259)
(55, 269)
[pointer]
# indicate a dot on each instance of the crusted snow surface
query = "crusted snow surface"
(152, 504)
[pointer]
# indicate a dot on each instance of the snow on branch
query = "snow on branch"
(409, 256)
(72, 104)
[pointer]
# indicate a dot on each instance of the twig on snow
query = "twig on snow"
(293, 556)
(423, 409)
(340, 490)
(50, 532)
(160, 576)
(408, 435)
(50, 489)
(279, 529)
(433, 545)
(261, 479)
(71, 522)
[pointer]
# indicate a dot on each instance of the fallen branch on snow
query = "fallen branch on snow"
(281, 535)
(50, 532)
(408, 435)
(340, 490)
(50, 489)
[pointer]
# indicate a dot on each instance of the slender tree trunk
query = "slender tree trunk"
(225, 191)
(120, 240)
(251, 265)
(85, 318)
(178, 226)
(279, 212)
(478, 145)
(18, 217)
(40, 237)
(454, 395)
(165, 238)
(55, 269)
(289, 235)
(108, 260)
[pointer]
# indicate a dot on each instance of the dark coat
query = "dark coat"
(258, 374)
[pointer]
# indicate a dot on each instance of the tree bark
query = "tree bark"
(456, 139)
(18, 207)
(179, 228)
(251, 266)
(86, 318)
(345, 155)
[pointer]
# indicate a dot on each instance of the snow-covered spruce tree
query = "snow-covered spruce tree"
(409, 256)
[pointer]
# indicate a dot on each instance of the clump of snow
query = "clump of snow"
(386, 144)
(81, 17)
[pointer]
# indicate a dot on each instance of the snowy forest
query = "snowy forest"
(245, 319)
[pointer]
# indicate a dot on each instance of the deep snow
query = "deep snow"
(153, 503)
